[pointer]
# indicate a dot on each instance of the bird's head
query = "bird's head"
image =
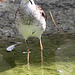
(30, 1)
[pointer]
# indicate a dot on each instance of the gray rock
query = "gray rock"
(63, 12)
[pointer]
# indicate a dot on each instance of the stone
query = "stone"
(63, 12)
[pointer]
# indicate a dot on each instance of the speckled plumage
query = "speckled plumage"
(30, 19)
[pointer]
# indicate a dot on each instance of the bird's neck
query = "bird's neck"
(32, 2)
(31, 6)
(28, 1)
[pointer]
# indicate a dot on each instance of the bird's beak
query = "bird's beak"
(3, 1)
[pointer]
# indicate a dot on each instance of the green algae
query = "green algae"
(58, 53)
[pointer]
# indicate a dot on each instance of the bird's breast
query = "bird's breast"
(30, 24)
(30, 30)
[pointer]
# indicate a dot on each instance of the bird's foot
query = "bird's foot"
(28, 64)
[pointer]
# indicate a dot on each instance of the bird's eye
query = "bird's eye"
(43, 14)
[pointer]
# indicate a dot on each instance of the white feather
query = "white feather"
(26, 52)
(10, 48)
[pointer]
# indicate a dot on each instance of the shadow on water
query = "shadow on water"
(59, 56)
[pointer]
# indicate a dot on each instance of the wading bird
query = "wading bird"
(31, 22)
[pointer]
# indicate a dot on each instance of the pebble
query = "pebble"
(59, 48)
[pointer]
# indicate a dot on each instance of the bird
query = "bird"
(31, 22)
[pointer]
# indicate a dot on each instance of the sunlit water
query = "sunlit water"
(58, 53)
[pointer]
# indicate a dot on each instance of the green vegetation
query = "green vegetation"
(59, 56)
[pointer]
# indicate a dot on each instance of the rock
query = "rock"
(63, 12)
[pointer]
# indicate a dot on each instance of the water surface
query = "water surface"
(58, 53)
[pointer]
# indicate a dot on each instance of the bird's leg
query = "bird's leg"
(27, 55)
(28, 58)
(41, 49)
(27, 52)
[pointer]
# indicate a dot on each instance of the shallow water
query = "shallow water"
(58, 53)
